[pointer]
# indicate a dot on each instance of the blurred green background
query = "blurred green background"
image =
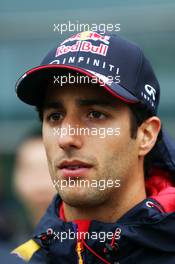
(27, 34)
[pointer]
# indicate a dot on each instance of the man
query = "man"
(116, 194)
(31, 164)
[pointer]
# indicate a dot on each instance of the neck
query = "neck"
(120, 201)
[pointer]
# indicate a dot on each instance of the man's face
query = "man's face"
(89, 157)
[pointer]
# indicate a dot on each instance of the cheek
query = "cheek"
(114, 138)
(114, 150)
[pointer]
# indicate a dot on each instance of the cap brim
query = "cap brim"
(30, 86)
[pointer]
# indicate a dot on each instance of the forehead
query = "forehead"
(73, 91)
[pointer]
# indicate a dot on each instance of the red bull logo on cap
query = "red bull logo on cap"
(85, 46)
(88, 35)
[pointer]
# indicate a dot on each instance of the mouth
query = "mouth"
(74, 168)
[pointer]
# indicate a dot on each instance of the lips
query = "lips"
(75, 164)
(74, 168)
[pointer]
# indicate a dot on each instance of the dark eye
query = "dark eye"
(96, 115)
(55, 117)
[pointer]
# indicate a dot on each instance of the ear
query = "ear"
(147, 134)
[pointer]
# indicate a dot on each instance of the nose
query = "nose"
(69, 136)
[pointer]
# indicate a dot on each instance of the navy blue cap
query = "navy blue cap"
(118, 63)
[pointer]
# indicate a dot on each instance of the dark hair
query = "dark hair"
(138, 115)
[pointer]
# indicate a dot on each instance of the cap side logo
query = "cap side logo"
(149, 94)
(150, 91)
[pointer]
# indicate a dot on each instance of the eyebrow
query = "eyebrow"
(79, 102)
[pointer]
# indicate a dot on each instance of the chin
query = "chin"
(79, 197)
